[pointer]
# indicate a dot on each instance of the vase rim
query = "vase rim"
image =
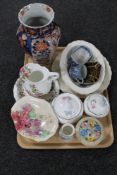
(26, 10)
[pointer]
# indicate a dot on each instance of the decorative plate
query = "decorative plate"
(32, 121)
(19, 91)
(89, 131)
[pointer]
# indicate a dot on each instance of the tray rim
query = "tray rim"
(66, 146)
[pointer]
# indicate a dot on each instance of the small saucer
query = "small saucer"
(19, 91)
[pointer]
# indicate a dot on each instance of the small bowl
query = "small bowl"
(32, 121)
(89, 131)
(68, 108)
(96, 105)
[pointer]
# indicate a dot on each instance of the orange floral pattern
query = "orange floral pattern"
(41, 46)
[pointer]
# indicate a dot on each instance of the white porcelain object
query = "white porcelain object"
(68, 108)
(89, 131)
(96, 105)
(32, 121)
(64, 72)
(65, 88)
(19, 91)
(81, 55)
(37, 79)
(67, 131)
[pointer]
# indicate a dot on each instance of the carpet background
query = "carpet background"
(90, 20)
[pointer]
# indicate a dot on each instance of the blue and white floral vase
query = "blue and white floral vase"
(38, 34)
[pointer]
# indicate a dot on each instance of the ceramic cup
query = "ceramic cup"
(78, 73)
(37, 79)
(81, 55)
(67, 131)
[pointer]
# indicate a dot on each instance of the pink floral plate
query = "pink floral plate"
(32, 121)
(19, 91)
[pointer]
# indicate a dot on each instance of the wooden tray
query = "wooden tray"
(56, 142)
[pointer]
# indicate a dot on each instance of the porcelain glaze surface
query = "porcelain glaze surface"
(32, 121)
(96, 105)
(89, 131)
(41, 87)
(38, 41)
(67, 107)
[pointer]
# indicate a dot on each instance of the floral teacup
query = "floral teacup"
(37, 79)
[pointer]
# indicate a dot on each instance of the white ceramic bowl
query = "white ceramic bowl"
(68, 108)
(89, 131)
(64, 72)
(96, 105)
(32, 121)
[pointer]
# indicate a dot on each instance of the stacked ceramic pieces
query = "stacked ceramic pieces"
(84, 69)
(68, 108)
(36, 81)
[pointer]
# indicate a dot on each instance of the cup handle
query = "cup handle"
(80, 81)
(53, 76)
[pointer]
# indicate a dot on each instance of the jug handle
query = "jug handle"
(53, 76)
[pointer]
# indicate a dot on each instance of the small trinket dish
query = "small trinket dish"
(19, 91)
(68, 108)
(89, 131)
(32, 121)
(96, 105)
(67, 131)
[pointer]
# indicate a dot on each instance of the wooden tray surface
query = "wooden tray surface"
(56, 142)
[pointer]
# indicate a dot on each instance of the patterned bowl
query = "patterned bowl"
(97, 57)
(68, 108)
(89, 131)
(32, 121)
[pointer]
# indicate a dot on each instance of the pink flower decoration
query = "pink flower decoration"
(26, 74)
(15, 115)
(27, 108)
(22, 70)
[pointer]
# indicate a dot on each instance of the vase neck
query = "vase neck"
(36, 16)
(39, 31)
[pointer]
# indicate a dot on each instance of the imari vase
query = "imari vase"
(38, 34)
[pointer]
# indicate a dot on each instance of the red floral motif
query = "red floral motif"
(21, 118)
(41, 46)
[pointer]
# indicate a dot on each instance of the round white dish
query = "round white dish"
(96, 105)
(32, 121)
(89, 131)
(68, 107)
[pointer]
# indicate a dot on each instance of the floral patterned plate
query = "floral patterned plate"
(19, 91)
(89, 131)
(32, 121)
